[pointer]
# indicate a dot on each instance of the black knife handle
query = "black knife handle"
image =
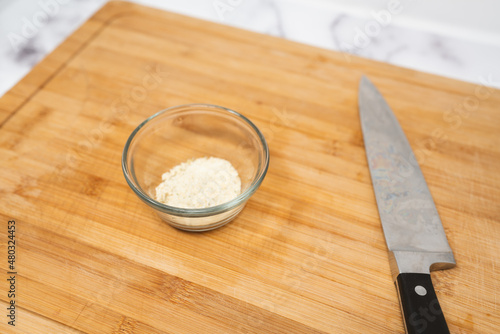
(421, 310)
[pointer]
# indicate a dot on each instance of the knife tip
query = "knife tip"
(365, 85)
(364, 80)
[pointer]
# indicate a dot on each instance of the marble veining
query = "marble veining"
(324, 23)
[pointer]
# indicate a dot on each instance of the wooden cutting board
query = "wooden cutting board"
(307, 254)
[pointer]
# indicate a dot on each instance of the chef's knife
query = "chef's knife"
(413, 231)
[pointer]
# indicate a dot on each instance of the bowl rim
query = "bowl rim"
(199, 212)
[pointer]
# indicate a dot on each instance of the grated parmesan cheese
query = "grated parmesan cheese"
(199, 183)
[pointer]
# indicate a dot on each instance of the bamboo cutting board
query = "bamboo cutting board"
(307, 254)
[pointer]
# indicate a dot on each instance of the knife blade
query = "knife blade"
(412, 228)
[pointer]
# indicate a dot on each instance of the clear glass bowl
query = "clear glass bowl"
(181, 133)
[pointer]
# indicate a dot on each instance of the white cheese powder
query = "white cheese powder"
(199, 183)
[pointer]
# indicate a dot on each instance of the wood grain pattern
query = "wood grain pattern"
(307, 255)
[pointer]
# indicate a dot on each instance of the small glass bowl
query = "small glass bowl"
(185, 132)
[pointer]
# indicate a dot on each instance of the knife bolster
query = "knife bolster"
(419, 262)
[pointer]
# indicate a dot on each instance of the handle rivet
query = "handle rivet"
(420, 290)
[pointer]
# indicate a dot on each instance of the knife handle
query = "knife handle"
(419, 304)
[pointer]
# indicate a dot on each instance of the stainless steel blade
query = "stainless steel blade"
(412, 227)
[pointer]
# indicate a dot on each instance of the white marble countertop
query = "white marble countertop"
(458, 39)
